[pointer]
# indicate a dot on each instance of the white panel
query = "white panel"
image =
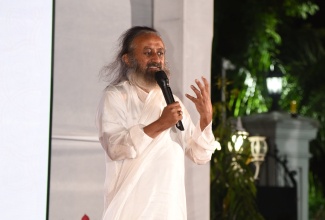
(25, 80)
(141, 11)
(198, 34)
(86, 34)
(187, 28)
(169, 21)
(77, 180)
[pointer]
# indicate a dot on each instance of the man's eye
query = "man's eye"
(147, 53)
(160, 53)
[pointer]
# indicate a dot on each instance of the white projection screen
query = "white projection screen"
(25, 107)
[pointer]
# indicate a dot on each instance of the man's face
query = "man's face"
(148, 57)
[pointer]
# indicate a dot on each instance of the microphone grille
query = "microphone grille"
(160, 75)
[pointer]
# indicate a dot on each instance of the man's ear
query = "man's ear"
(126, 59)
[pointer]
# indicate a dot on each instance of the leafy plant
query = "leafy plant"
(232, 182)
(252, 34)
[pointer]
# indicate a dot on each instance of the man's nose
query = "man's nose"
(155, 57)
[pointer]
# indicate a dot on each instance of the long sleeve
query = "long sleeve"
(202, 144)
(198, 145)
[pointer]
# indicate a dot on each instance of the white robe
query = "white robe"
(145, 176)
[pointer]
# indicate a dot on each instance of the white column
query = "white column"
(187, 30)
(292, 138)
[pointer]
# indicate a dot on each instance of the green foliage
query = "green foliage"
(253, 34)
(300, 9)
(303, 52)
(232, 183)
(245, 98)
(316, 201)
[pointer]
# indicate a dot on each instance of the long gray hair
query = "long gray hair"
(116, 71)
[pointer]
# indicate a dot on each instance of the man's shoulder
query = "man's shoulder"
(123, 89)
(124, 86)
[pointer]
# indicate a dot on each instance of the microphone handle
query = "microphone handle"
(170, 99)
(179, 125)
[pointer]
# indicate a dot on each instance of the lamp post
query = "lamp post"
(258, 146)
(274, 85)
(226, 65)
(258, 151)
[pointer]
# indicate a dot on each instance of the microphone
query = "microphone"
(163, 83)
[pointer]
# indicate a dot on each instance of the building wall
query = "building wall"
(86, 36)
(187, 29)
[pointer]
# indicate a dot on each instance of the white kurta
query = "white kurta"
(145, 176)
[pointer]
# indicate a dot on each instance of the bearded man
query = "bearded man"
(144, 150)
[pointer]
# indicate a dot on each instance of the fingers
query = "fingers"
(204, 87)
(190, 97)
(200, 85)
(175, 106)
(170, 115)
(206, 84)
(203, 90)
(202, 101)
(176, 110)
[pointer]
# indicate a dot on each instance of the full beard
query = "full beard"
(145, 77)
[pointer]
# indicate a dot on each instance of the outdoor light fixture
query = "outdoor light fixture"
(258, 152)
(274, 85)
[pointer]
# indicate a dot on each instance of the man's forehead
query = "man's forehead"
(149, 40)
